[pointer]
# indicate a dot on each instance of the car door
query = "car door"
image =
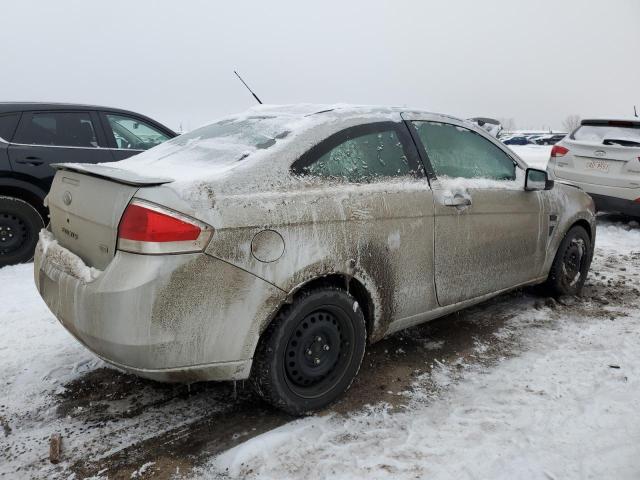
(128, 135)
(488, 229)
(47, 137)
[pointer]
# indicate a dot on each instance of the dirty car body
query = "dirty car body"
(363, 201)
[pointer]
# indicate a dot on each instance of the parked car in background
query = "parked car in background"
(550, 139)
(602, 156)
(517, 140)
(35, 135)
(273, 245)
(490, 125)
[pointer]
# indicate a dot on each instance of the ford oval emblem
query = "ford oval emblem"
(66, 198)
(600, 153)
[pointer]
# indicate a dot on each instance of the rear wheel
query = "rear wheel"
(311, 352)
(19, 227)
(571, 264)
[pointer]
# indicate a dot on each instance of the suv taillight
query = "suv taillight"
(151, 229)
(559, 151)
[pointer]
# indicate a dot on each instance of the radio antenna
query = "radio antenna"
(245, 84)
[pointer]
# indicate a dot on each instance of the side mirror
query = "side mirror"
(537, 180)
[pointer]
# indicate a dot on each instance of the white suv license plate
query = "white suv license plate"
(599, 165)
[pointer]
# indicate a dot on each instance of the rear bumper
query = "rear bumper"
(178, 318)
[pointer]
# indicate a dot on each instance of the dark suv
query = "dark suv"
(35, 135)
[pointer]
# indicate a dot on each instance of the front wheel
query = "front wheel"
(571, 264)
(20, 224)
(311, 352)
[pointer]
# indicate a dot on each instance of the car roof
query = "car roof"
(338, 111)
(6, 107)
(9, 107)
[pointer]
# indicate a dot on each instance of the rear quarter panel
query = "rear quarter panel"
(380, 234)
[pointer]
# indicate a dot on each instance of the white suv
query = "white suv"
(603, 158)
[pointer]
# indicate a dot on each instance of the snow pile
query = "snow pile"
(65, 260)
(619, 236)
(36, 353)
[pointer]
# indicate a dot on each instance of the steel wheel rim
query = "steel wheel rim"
(319, 351)
(13, 233)
(572, 261)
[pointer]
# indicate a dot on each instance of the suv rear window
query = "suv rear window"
(609, 134)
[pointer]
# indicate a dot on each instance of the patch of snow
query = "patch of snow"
(68, 261)
(142, 470)
(393, 240)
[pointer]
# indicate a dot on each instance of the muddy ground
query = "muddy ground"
(223, 415)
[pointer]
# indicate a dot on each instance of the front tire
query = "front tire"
(311, 352)
(571, 263)
(20, 224)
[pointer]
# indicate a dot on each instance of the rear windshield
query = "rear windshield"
(609, 135)
(233, 139)
(213, 149)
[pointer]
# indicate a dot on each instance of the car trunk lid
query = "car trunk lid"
(86, 203)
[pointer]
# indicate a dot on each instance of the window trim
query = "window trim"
(28, 115)
(349, 133)
(425, 156)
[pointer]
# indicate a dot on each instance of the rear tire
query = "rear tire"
(311, 352)
(20, 224)
(571, 264)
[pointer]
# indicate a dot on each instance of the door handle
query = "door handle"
(33, 161)
(457, 201)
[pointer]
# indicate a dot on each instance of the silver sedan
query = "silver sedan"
(274, 245)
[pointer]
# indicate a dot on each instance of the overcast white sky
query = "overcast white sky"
(534, 61)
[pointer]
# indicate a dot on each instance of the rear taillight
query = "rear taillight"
(152, 229)
(559, 151)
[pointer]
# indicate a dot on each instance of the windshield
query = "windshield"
(609, 135)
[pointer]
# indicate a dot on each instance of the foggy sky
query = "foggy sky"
(534, 61)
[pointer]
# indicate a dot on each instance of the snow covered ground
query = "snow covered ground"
(536, 156)
(563, 405)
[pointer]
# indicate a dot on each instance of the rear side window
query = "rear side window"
(359, 154)
(626, 136)
(458, 152)
(61, 129)
(133, 134)
(8, 125)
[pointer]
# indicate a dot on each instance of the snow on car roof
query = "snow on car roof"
(213, 150)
